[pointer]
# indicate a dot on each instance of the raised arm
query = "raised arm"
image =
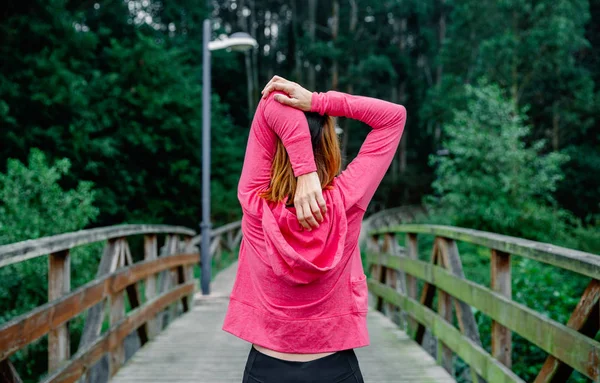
(360, 179)
(273, 120)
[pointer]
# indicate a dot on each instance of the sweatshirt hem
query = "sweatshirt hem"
(302, 336)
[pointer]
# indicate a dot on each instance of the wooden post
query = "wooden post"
(96, 314)
(59, 284)
(427, 296)
(450, 259)
(411, 282)
(151, 253)
(584, 319)
(117, 313)
(389, 247)
(444, 353)
(501, 283)
(189, 269)
(133, 295)
(8, 373)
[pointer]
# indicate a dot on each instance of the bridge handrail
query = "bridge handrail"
(168, 285)
(21, 251)
(395, 271)
(583, 263)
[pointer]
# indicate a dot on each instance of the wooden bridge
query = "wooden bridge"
(145, 322)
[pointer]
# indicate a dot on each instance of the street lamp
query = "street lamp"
(238, 42)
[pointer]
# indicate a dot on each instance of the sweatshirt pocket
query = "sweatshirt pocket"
(360, 294)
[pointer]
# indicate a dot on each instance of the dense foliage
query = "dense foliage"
(33, 204)
(503, 131)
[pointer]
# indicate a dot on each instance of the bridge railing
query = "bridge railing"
(168, 285)
(395, 271)
(226, 237)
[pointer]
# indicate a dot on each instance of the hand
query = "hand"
(308, 201)
(299, 97)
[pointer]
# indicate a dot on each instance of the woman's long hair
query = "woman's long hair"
(326, 149)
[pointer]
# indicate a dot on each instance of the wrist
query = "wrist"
(315, 102)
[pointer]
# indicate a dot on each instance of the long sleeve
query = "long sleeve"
(363, 175)
(273, 120)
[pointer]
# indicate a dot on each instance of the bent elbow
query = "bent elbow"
(400, 115)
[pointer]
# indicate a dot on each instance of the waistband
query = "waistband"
(332, 367)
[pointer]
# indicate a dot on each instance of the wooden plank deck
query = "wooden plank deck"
(195, 349)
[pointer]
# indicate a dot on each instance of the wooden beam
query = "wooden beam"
(133, 296)
(21, 251)
(466, 319)
(501, 283)
(25, 329)
(89, 355)
(8, 374)
(578, 350)
(116, 356)
(587, 264)
(584, 319)
(151, 253)
(59, 284)
(473, 354)
(412, 251)
(445, 357)
(181, 279)
(95, 315)
(427, 295)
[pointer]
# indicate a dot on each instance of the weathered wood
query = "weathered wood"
(216, 232)
(376, 270)
(215, 249)
(89, 355)
(583, 319)
(412, 251)
(8, 374)
(450, 259)
(133, 296)
(575, 349)
(167, 280)
(444, 353)
(151, 253)
(22, 330)
(501, 283)
(178, 354)
(59, 284)
(21, 251)
(116, 356)
(427, 295)
(580, 262)
(117, 351)
(95, 315)
(473, 354)
(181, 279)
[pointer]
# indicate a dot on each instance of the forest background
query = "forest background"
(100, 120)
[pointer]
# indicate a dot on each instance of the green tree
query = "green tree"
(33, 205)
(491, 179)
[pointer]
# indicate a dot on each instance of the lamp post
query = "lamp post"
(238, 42)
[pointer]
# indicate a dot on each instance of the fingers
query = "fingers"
(304, 213)
(286, 100)
(286, 87)
(301, 215)
(308, 216)
(322, 204)
(316, 210)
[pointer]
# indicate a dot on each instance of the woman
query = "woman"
(300, 296)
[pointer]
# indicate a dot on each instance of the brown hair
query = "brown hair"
(326, 149)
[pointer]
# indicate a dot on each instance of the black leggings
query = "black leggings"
(341, 367)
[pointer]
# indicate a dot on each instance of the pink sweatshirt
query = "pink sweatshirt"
(299, 291)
